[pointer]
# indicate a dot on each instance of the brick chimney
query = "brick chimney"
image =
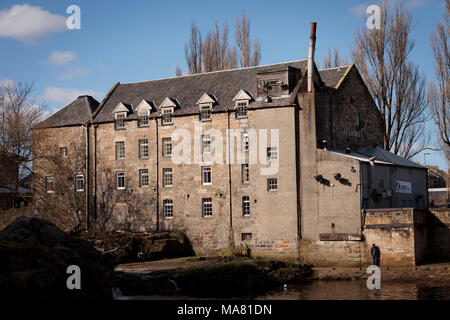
(312, 48)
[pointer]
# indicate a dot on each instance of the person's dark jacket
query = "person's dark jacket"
(375, 251)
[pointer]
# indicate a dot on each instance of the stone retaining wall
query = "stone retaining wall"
(406, 237)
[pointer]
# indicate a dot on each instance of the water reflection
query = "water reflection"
(335, 290)
(357, 290)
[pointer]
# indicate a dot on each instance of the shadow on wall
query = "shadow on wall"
(438, 236)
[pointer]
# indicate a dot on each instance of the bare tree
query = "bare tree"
(439, 91)
(123, 209)
(193, 51)
(334, 59)
(382, 56)
(64, 201)
(250, 52)
(18, 114)
(178, 71)
(217, 54)
(214, 52)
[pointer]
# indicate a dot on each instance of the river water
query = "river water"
(338, 290)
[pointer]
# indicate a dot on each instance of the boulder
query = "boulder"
(35, 255)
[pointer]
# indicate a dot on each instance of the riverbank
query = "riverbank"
(208, 277)
(219, 277)
(430, 274)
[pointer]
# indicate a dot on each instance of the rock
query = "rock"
(35, 255)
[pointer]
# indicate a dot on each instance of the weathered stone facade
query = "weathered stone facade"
(338, 114)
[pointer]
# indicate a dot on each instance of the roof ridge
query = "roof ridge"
(211, 72)
(343, 66)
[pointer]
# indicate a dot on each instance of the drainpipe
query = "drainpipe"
(86, 126)
(229, 171)
(157, 174)
(312, 47)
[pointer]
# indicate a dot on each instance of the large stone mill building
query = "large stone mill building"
(331, 169)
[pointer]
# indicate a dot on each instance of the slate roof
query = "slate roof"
(381, 155)
(185, 90)
(75, 113)
(385, 155)
(332, 76)
(223, 85)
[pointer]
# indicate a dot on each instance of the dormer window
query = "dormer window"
(205, 105)
(120, 113)
(120, 120)
(241, 109)
(167, 116)
(241, 102)
(167, 109)
(143, 111)
(205, 113)
(143, 117)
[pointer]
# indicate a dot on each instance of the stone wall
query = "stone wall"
(269, 231)
(348, 117)
(401, 235)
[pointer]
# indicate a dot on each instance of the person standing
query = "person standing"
(375, 251)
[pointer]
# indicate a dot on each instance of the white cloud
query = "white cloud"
(66, 95)
(359, 10)
(26, 23)
(61, 57)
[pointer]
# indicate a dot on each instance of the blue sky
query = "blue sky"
(139, 40)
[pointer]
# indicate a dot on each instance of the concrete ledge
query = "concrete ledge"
(339, 237)
(388, 226)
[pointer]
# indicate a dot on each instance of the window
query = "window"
(168, 208)
(120, 180)
(167, 116)
(49, 185)
(167, 177)
(120, 120)
(63, 151)
(272, 153)
(246, 236)
(143, 117)
(245, 206)
(205, 113)
(206, 207)
(273, 87)
(241, 109)
(272, 184)
(79, 182)
(166, 147)
(120, 150)
(143, 178)
(245, 173)
(244, 141)
(206, 143)
(206, 175)
(143, 148)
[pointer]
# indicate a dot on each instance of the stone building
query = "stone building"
(315, 135)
